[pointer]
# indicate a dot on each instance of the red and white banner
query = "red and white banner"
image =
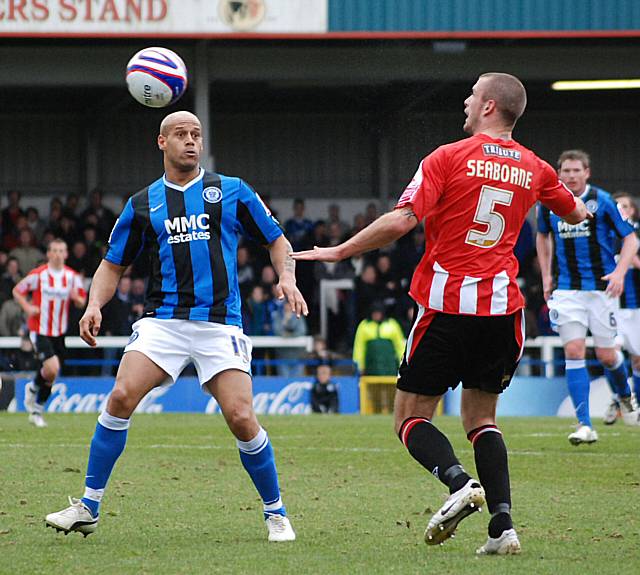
(161, 17)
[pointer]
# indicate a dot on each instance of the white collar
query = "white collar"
(586, 191)
(187, 185)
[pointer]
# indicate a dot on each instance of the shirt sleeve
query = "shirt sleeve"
(126, 239)
(427, 185)
(621, 227)
(553, 193)
(28, 283)
(78, 285)
(542, 219)
(254, 218)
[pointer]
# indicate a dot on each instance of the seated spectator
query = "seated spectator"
(9, 216)
(28, 256)
(298, 228)
(287, 324)
(68, 230)
(35, 223)
(94, 248)
(359, 223)
(10, 277)
(319, 354)
(255, 318)
(71, 206)
(370, 213)
(379, 343)
(388, 284)
(268, 279)
(55, 215)
(319, 235)
(4, 256)
(366, 291)
(117, 315)
(333, 217)
(245, 272)
(11, 319)
(137, 296)
(104, 217)
(78, 258)
(324, 393)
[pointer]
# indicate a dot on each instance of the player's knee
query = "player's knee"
(240, 418)
(574, 350)
(607, 357)
(121, 402)
(635, 362)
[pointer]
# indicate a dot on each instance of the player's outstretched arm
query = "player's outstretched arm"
(280, 253)
(386, 229)
(103, 286)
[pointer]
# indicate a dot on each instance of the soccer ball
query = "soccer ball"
(156, 77)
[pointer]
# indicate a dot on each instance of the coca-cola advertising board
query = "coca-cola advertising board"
(271, 395)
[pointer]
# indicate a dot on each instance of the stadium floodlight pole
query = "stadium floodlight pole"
(568, 85)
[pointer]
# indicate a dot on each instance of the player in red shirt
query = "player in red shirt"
(474, 196)
(53, 286)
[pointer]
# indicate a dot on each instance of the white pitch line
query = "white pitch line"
(166, 446)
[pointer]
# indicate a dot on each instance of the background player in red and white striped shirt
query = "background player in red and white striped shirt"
(45, 295)
(474, 196)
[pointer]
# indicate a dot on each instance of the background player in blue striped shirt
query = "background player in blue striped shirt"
(588, 283)
(629, 313)
(188, 223)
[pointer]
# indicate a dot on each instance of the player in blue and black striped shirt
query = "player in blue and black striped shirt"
(188, 223)
(588, 283)
(629, 313)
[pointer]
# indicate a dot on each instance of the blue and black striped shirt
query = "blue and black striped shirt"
(191, 235)
(630, 298)
(584, 252)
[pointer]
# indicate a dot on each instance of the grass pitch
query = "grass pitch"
(180, 502)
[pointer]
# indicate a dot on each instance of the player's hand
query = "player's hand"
(32, 310)
(615, 287)
(90, 325)
(319, 254)
(287, 288)
(547, 287)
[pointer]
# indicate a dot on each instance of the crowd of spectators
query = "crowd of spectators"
(380, 277)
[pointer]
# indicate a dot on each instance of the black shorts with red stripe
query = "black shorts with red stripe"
(443, 350)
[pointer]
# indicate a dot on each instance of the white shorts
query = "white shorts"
(572, 312)
(173, 344)
(629, 329)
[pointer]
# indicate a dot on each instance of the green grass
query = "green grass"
(180, 502)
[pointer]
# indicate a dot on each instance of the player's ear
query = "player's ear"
(489, 106)
(161, 142)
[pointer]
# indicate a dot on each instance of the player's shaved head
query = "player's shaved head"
(176, 118)
(507, 92)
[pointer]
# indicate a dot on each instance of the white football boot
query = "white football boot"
(584, 434)
(629, 410)
(279, 528)
(37, 420)
(612, 412)
(459, 505)
(506, 544)
(76, 517)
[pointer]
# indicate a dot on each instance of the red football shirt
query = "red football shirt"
(474, 195)
(51, 292)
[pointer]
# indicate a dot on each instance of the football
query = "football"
(156, 77)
